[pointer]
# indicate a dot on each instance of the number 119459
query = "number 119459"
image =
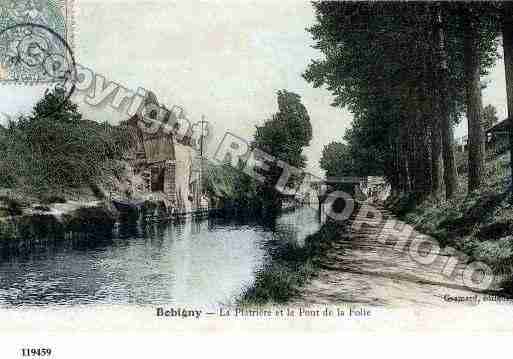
(36, 352)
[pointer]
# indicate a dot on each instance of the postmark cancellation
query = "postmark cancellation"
(36, 40)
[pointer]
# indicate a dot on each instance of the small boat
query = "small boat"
(127, 206)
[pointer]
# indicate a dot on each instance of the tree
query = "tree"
(283, 137)
(288, 131)
(444, 107)
(507, 34)
(376, 66)
(476, 144)
(400, 70)
(336, 160)
(489, 116)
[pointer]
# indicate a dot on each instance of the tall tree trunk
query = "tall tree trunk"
(436, 157)
(445, 120)
(425, 114)
(476, 144)
(448, 154)
(411, 153)
(418, 154)
(507, 34)
(393, 172)
(403, 158)
(423, 155)
(433, 124)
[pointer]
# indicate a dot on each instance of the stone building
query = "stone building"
(165, 165)
(152, 156)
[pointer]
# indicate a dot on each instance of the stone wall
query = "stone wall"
(183, 170)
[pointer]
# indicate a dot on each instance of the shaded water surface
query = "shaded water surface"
(196, 263)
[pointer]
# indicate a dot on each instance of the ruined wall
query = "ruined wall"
(183, 170)
(173, 162)
(159, 147)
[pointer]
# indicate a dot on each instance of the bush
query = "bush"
(48, 154)
(90, 219)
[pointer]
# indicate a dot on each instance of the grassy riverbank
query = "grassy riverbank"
(57, 170)
(290, 266)
(479, 224)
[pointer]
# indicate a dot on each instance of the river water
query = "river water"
(197, 263)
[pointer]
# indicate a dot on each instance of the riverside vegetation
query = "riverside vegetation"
(53, 170)
(283, 137)
(479, 224)
(289, 267)
(54, 157)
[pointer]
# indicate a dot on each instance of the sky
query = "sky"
(221, 59)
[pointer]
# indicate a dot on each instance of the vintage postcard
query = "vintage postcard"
(253, 167)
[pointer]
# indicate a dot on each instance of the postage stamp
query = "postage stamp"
(36, 40)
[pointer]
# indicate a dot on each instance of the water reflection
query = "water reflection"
(194, 263)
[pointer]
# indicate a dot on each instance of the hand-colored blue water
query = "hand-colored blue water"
(203, 263)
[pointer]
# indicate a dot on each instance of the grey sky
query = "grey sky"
(223, 59)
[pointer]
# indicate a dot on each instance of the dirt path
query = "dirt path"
(359, 269)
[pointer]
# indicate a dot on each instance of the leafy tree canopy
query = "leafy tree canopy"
(489, 116)
(286, 134)
(336, 160)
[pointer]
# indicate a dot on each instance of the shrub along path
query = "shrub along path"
(360, 269)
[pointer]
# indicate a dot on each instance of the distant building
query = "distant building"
(498, 136)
